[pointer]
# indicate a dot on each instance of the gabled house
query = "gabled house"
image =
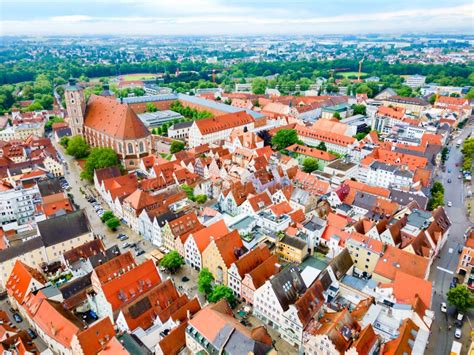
(23, 280)
(175, 232)
(221, 253)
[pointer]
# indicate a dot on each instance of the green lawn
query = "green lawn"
(132, 77)
(352, 73)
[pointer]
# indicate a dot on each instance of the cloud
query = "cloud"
(214, 17)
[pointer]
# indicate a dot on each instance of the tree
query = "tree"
(77, 147)
(444, 154)
(470, 94)
(205, 280)
(359, 109)
(259, 86)
(404, 91)
(150, 107)
(310, 165)
(200, 198)
(107, 215)
(337, 115)
(113, 223)
(284, 138)
(176, 147)
(461, 297)
(189, 191)
(432, 99)
(51, 121)
(322, 146)
(172, 261)
(99, 158)
(437, 196)
(219, 292)
(64, 141)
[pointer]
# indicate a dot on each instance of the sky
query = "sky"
(234, 17)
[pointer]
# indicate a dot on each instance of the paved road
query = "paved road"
(442, 338)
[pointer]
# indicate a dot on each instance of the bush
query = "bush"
(107, 215)
(200, 199)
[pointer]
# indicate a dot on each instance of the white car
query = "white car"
(460, 316)
(444, 309)
(450, 204)
(458, 333)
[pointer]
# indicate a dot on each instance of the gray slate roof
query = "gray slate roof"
(59, 229)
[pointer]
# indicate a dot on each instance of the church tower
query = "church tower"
(76, 107)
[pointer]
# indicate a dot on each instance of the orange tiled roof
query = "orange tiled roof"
(114, 266)
(262, 272)
(393, 112)
(121, 186)
(252, 259)
(174, 341)
(260, 201)
(126, 287)
(185, 224)
(228, 245)
(20, 279)
(114, 119)
(455, 101)
(94, 338)
(333, 126)
(401, 344)
(394, 259)
(281, 208)
(325, 136)
(404, 291)
(203, 236)
(227, 121)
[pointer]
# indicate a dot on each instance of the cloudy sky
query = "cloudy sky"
(169, 17)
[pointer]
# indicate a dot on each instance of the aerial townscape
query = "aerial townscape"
(216, 177)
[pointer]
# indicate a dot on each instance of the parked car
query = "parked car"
(444, 309)
(31, 333)
(139, 252)
(123, 238)
(449, 181)
(460, 317)
(450, 204)
(126, 245)
(458, 333)
(17, 318)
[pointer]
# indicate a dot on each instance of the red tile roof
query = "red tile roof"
(96, 336)
(228, 245)
(227, 121)
(325, 136)
(252, 259)
(311, 152)
(202, 237)
(174, 341)
(394, 259)
(20, 279)
(114, 119)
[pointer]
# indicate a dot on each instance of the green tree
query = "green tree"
(337, 115)
(259, 86)
(284, 138)
(172, 261)
(205, 280)
(77, 147)
(64, 141)
(176, 147)
(470, 94)
(310, 165)
(200, 199)
(113, 223)
(432, 99)
(189, 191)
(51, 121)
(322, 146)
(404, 91)
(444, 154)
(219, 292)
(359, 109)
(107, 215)
(461, 297)
(97, 159)
(437, 196)
(150, 107)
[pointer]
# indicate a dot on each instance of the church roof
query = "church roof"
(107, 115)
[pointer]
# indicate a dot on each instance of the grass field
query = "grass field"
(352, 73)
(131, 77)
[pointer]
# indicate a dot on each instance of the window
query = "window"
(141, 147)
(130, 148)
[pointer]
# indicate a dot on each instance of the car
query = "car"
(139, 252)
(31, 333)
(450, 204)
(123, 237)
(458, 333)
(133, 245)
(459, 176)
(126, 245)
(449, 181)
(460, 317)
(449, 171)
(120, 235)
(184, 279)
(455, 280)
(17, 318)
(444, 309)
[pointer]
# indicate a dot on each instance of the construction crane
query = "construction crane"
(360, 68)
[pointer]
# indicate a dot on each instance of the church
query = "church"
(104, 121)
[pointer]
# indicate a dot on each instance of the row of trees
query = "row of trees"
(188, 112)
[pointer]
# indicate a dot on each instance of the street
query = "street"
(444, 268)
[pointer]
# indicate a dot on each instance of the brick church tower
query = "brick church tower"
(76, 107)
